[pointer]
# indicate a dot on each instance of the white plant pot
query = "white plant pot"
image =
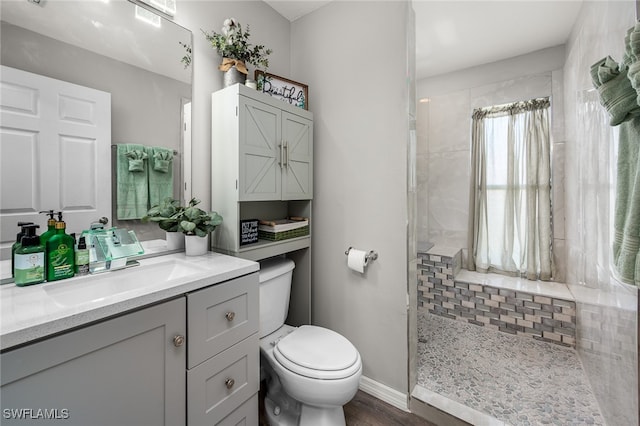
(175, 240)
(195, 246)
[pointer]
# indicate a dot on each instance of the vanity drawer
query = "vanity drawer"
(221, 316)
(246, 414)
(221, 384)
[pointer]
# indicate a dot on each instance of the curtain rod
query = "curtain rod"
(174, 151)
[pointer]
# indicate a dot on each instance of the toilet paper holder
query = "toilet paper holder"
(372, 255)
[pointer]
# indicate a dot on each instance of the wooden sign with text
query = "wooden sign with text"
(289, 91)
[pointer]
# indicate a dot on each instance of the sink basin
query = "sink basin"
(95, 288)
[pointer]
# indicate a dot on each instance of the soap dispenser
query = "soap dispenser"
(16, 245)
(82, 257)
(29, 258)
(60, 255)
(51, 226)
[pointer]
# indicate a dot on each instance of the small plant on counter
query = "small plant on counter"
(167, 214)
(196, 221)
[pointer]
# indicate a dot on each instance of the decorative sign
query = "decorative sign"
(284, 89)
(248, 231)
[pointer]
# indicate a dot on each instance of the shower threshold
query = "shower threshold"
(485, 377)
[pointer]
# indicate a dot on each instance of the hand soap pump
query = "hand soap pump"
(82, 257)
(29, 258)
(51, 226)
(16, 245)
(60, 255)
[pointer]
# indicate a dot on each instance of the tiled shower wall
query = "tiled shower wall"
(443, 135)
(607, 310)
(516, 312)
(607, 323)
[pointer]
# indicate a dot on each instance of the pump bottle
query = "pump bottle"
(15, 245)
(51, 226)
(60, 256)
(29, 266)
(82, 257)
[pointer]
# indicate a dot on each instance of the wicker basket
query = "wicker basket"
(284, 229)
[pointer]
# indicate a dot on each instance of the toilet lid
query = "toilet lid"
(317, 352)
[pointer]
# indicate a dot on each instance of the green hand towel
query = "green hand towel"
(632, 58)
(626, 244)
(160, 174)
(132, 196)
(614, 88)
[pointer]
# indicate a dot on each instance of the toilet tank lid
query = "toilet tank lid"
(274, 267)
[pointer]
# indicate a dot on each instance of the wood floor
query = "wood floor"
(366, 410)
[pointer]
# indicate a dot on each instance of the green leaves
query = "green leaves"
(233, 43)
(189, 220)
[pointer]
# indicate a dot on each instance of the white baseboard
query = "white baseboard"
(384, 393)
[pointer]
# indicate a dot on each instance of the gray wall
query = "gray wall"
(353, 55)
(267, 27)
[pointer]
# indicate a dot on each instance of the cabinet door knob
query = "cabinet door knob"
(229, 383)
(178, 341)
(230, 316)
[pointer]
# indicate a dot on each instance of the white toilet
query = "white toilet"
(311, 372)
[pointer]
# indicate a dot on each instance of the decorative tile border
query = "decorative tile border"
(543, 318)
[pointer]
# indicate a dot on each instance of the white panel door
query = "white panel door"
(55, 153)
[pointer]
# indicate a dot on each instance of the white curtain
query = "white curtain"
(510, 196)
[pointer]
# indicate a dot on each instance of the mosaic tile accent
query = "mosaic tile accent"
(540, 317)
(519, 381)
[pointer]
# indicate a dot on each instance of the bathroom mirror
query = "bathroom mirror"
(117, 47)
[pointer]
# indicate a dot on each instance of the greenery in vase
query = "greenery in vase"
(190, 220)
(233, 43)
(167, 214)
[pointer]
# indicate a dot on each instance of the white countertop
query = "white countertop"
(36, 311)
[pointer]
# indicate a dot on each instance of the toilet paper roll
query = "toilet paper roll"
(357, 260)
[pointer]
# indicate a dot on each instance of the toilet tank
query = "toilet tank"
(275, 288)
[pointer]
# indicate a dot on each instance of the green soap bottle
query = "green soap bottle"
(29, 258)
(15, 245)
(82, 257)
(51, 226)
(60, 255)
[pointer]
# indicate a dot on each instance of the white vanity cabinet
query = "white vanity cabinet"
(192, 360)
(125, 370)
(262, 168)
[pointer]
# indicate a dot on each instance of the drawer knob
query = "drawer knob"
(230, 316)
(178, 341)
(229, 383)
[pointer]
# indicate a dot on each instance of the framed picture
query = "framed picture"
(284, 89)
(248, 231)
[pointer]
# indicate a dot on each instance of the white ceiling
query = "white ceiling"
(455, 34)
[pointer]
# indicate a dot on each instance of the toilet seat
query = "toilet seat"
(317, 353)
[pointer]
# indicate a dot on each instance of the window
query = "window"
(510, 197)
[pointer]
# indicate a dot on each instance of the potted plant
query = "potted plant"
(181, 223)
(168, 215)
(196, 224)
(234, 47)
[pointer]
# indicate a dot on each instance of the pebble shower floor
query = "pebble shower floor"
(518, 380)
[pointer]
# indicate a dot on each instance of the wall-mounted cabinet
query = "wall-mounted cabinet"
(262, 168)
